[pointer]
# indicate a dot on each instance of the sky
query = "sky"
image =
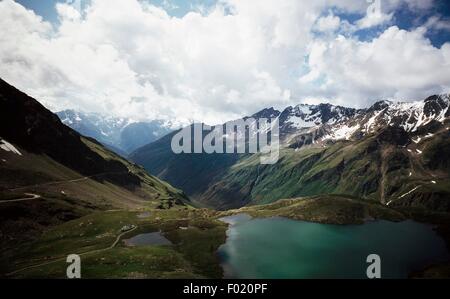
(217, 60)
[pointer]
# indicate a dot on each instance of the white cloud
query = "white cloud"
(399, 64)
(328, 23)
(135, 60)
(437, 23)
(374, 18)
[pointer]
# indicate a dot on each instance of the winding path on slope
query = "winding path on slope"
(66, 181)
(81, 254)
(31, 197)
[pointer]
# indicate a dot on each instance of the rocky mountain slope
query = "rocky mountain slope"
(394, 153)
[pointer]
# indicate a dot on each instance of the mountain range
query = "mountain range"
(121, 135)
(393, 153)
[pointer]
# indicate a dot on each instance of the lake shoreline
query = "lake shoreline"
(412, 272)
(282, 209)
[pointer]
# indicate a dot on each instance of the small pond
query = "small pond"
(148, 239)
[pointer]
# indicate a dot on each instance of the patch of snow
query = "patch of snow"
(371, 121)
(6, 146)
(303, 108)
(409, 150)
(417, 140)
(67, 121)
(410, 174)
(332, 121)
(407, 193)
(433, 182)
(419, 151)
(298, 122)
(416, 115)
(344, 132)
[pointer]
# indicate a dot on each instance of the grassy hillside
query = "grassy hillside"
(54, 174)
(150, 187)
(192, 173)
(327, 209)
(195, 236)
(374, 168)
(65, 194)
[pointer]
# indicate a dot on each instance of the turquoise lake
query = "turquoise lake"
(276, 248)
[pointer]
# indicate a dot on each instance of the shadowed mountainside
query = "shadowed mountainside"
(69, 175)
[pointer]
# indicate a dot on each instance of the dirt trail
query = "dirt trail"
(31, 197)
(65, 181)
(81, 254)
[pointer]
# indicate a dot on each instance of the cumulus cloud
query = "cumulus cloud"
(398, 64)
(130, 58)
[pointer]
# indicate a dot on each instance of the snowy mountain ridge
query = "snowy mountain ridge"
(306, 124)
(300, 125)
(411, 116)
(122, 135)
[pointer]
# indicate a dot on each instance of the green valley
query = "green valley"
(62, 193)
